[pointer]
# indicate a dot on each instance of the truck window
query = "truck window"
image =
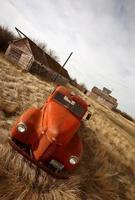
(73, 106)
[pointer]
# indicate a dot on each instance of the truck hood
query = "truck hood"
(61, 124)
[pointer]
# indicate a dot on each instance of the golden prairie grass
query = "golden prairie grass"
(117, 140)
(20, 87)
(103, 175)
(123, 123)
(107, 168)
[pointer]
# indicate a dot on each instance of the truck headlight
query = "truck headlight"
(21, 127)
(73, 160)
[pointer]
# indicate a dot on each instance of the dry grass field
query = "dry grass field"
(107, 170)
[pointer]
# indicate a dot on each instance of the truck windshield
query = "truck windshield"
(73, 106)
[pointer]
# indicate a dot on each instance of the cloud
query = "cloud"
(101, 33)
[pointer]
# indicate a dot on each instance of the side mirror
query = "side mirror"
(88, 116)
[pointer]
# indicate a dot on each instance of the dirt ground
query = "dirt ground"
(107, 170)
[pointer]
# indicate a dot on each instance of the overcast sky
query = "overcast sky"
(101, 34)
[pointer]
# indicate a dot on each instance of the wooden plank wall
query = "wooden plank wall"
(17, 56)
(102, 101)
(13, 53)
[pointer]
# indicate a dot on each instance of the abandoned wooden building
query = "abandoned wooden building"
(103, 96)
(25, 53)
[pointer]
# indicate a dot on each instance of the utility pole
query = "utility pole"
(63, 66)
(67, 59)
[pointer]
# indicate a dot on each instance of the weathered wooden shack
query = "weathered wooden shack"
(25, 53)
(103, 96)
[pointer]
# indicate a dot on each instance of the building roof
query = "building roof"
(43, 58)
(106, 90)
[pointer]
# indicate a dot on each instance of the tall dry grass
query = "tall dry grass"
(19, 179)
(103, 175)
(117, 140)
